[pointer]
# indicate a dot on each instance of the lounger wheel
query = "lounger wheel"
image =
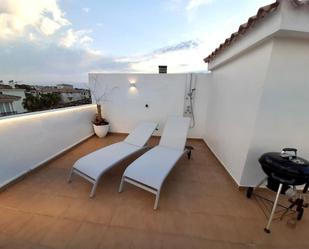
(249, 192)
(189, 154)
(189, 148)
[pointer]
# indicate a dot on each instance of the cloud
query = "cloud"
(51, 63)
(173, 5)
(188, 8)
(39, 21)
(194, 4)
(39, 44)
(186, 56)
(177, 47)
(48, 26)
(18, 16)
(187, 5)
(86, 10)
(79, 37)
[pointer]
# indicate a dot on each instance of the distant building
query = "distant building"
(62, 86)
(67, 94)
(12, 99)
(12, 96)
(6, 104)
(72, 95)
(12, 83)
(3, 86)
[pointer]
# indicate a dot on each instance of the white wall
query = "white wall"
(283, 114)
(233, 99)
(164, 93)
(258, 102)
(28, 140)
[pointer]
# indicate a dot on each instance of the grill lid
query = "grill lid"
(291, 168)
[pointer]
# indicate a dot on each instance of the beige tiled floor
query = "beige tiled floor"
(200, 207)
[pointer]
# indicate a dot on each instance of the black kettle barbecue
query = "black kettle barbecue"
(284, 172)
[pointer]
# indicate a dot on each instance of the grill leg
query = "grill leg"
(261, 182)
(266, 229)
(251, 189)
(306, 188)
(289, 208)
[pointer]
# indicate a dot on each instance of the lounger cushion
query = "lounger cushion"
(96, 163)
(152, 167)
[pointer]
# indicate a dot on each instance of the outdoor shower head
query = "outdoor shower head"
(190, 94)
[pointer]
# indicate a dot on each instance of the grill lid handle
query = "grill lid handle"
(284, 150)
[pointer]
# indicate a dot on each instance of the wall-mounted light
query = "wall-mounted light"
(132, 82)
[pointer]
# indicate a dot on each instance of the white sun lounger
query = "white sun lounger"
(150, 170)
(94, 165)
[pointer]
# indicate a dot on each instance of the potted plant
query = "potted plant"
(100, 125)
(99, 95)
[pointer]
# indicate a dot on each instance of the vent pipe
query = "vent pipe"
(162, 69)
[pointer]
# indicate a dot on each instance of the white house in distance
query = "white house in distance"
(66, 92)
(11, 100)
(71, 95)
(66, 86)
(6, 104)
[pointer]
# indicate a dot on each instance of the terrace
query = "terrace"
(240, 110)
(200, 207)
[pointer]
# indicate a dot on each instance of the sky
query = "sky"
(61, 41)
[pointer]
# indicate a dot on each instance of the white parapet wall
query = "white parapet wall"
(29, 140)
(152, 97)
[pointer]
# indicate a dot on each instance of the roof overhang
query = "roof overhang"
(282, 18)
(8, 98)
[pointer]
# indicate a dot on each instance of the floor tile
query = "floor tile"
(34, 230)
(88, 236)
(60, 233)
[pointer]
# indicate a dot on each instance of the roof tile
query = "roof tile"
(262, 12)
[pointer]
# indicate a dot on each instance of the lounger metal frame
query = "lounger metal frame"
(152, 190)
(95, 182)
